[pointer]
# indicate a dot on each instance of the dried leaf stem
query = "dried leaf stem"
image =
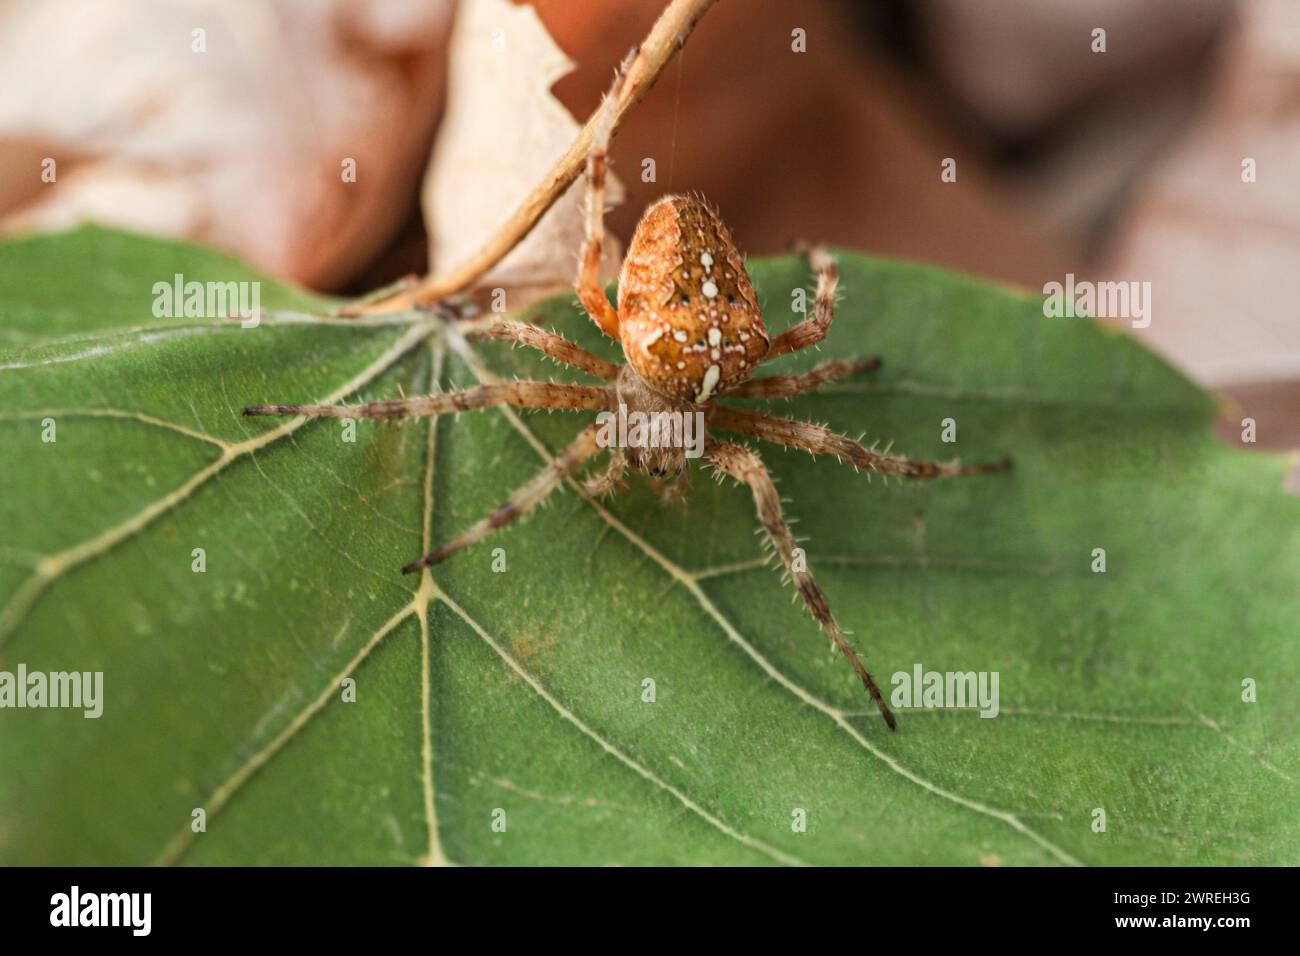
(666, 37)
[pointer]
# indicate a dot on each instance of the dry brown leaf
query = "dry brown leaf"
(502, 132)
(238, 145)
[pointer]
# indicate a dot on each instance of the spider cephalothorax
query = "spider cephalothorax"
(692, 333)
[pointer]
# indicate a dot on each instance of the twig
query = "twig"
(666, 37)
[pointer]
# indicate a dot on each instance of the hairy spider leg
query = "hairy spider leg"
(746, 467)
(783, 386)
(521, 394)
(822, 441)
(528, 496)
(590, 291)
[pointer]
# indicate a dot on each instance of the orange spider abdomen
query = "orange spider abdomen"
(689, 320)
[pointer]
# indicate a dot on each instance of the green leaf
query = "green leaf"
(522, 691)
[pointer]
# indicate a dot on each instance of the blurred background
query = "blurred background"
(1171, 156)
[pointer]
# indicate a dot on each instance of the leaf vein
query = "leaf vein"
(51, 567)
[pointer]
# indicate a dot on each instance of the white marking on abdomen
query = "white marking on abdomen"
(710, 383)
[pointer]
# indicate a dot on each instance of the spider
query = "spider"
(692, 332)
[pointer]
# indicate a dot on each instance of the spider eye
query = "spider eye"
(731, 300)
(686, 298)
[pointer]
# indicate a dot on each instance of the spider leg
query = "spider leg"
(813, 330)
(606, 483)
(522, 501)
(553, 344)
(778, 386)
(590, 292)
(822, 441)
(521, 394)
(746, 467)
